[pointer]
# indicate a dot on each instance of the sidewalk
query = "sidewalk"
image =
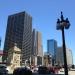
(71, 72)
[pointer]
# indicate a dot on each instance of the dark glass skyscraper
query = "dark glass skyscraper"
(19, 31)
(34, 43)
(51, 48)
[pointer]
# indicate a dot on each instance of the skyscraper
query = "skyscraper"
(39, 43)
(19, 31)
(37, 49)
(51, 49)
(69, 57)
(34, 43)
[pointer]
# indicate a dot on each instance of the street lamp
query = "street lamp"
(61, 25)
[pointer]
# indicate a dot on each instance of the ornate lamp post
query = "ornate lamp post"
(61, 25)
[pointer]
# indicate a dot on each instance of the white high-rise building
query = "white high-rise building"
(60, 57)
(69, 56)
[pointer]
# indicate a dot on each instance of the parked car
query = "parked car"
(22, 71)
(3, 70)
(43, 70)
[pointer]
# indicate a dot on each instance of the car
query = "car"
(43, 70)
(22, 71)
(3, 70)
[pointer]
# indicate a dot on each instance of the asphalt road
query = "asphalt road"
(43, 74)
(71, 72)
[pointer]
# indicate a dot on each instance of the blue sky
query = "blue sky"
(44, 14)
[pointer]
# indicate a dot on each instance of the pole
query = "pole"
(64, 52)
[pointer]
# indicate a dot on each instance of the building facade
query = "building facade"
(13, 60)
(19, 31)
(39, 44)
(60, 57)
(69, 57)
(47, 59)
(27, 38)
(37, 49)
(34, 43)
(51, 49)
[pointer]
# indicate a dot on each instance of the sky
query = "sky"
(44, 14)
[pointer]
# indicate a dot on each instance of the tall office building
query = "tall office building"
(37, 49)
(19, 31)
(39, 44)
(34, 43)
(51, 49)
(60, 57)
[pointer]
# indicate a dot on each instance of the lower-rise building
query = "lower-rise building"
(1, 55)
(13, 60)
(47, 59)
(60, 57)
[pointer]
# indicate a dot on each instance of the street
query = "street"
(72, 72)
